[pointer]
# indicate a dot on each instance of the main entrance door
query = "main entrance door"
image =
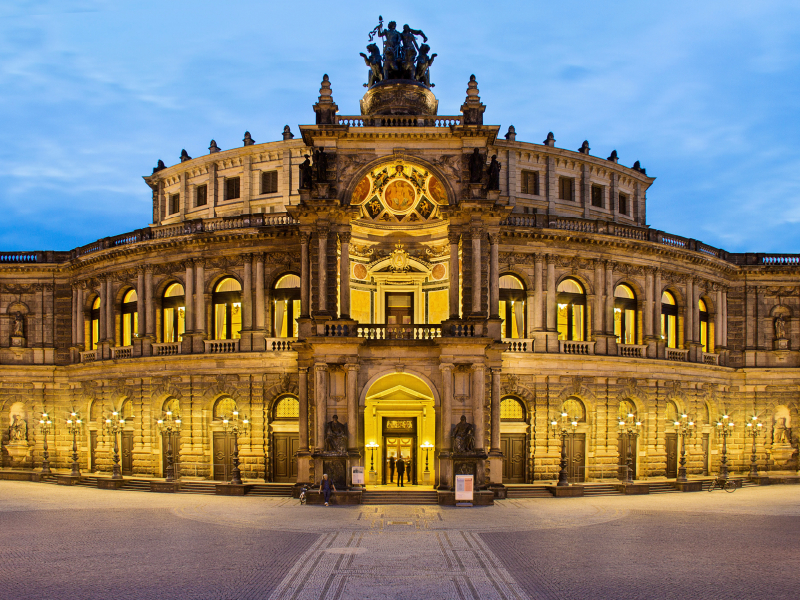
(400, 440)
(223, 456)
(576, 457)
(285, 450)
(127, 452)
(512, 446)
(622, 448)
(672, 454)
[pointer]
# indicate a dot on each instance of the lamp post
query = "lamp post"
(753, 429)
(169, 424)
(685, 427)
(725, 427)
(44, 427)
(74, 426)
(114, 423)
(373, 475)
(426, 474)
(562, 427)
(629, 427)
(235, 425)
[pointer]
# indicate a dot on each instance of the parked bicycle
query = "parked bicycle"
(722, 484)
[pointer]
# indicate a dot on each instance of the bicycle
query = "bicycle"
(722, 484)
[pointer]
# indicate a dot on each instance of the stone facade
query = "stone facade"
(400, 220)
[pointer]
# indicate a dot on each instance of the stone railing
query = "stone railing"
(122, 352)
(632, 350)
(399, 332)
(221, 346)
(88, 356)
(168, 349)
(518, 344)
(398, 121)
(279, 344)
(39, 256)
(709, 358)
(677, 354)
(570, 347)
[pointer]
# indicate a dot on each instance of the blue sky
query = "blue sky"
(705, 94)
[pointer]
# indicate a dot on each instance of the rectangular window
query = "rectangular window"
(565, 188)
(174, 204)
(269, 182)
(202, 195)
(597, 196)
(530, 182)
(231, 188)
(623, 204)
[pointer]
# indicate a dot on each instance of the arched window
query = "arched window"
(574, 409)
(130, 317)
(669, 320)
(286, 306)
(173, 306)
(224, 408)
(512, 307)
(511, 409)
(626, 408)
(625, 315)
(571, 302)
(704, 333)
(94, 324)
(287, 407)
(227, 301)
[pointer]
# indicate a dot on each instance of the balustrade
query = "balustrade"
(677, 354)
(519, 344)
(709, 358)
(632, 350)
(570, 347)
(280, 344)
(399, 332)
(122, 352)
(88, 356)
(170, 349)
(221, 346)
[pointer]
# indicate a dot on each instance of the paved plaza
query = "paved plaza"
(81, 543)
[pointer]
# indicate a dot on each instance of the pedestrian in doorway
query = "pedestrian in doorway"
(325, 488)
(401, 469)
(409, 472)
(391, 469)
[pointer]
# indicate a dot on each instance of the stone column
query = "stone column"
(74, 314)
(302, 389)
(478, 400)
(446, 443)
(322, 236)
(657, 306)
(109, 306)
(648, 304)
(344, 276)
(724, 318)
(599, 298)
(81, 316)
(305, 277)
(539, 293)
(101, 324)
(494, 276)
(688, 330)
(259, 304)
(149, 309)
(718, 321)
(188, 290)
(141, 302)
(453, 237)
(609, 297)
(321, 403)
(247, 294)
(495, 445)
(352, 407)
(477, 233)
(200, 307)
(551, 293)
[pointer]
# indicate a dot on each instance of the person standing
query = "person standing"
(409, 472)
(401, 469)
(391, 469)
(325, 488)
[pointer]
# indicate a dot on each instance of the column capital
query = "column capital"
(494, 238)
(200, 262)
(550, 258)
(496, 371)
(345, 236)
(323, 231)
(319, 367)
(353, 367)
(453, 236)
(476, 232)
(478, 368)
(149, 269)
(247, 256)
(188, 263)
(446, 366)
(302, 369)
(305, 236)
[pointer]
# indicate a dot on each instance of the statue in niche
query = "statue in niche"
(463, 437)
(476, 162)
(494, 174)
(375, 64)
(305, 174)
(18, 327)
(336, 436)
(423, 65)
(780, 328)
(18, 431)
(782, 434)
(321, 165)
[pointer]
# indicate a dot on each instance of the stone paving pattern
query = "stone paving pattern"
(81, 543)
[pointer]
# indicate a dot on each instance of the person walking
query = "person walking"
(391, 469)
(401, 469)
(325, 488)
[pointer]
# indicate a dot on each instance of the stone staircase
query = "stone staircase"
(399, 497)
(527, 491)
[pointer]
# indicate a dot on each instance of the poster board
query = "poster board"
(358, 476)
(465, 484)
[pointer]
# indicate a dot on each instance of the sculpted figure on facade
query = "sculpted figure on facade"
(18, 431)
(375, 64)
(336, 436)
(424, 63)
(305, 174)
(321, 165)
(464, 437)
(18, 326)
(476, 162)
(780, 328)
(781, 434)
(494, 174)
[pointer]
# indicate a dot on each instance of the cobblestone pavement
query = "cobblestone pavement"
(64, 542)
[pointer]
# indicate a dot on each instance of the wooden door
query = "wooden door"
(93, 450)
(705, 454)
(399, 308)
(397, 446)
(672, 454)
(285, 450)
(175, 443)
(622, 449)
(223, 456)
(513, 447)
(576, 457)
(126, 452)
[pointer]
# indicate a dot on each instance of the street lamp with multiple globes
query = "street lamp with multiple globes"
(169, 424)
(373, 475)
(74, 427)
(753, 429)
(114, 423)
(629, 427)
(236, 426)
(426, 474)
(563, 426)
(44, 426)
(725, 427)
(685, 427)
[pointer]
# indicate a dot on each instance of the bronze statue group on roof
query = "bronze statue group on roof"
(402, 58)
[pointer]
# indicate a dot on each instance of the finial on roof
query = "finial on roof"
(213, 147)
(511, 134)
(550, 141)
(159, 166)
(185, 156)
(473, 108)
(638, 167)
(287, 133)
(613, 158)
(584, 149)
(325, 107)
(248, 139)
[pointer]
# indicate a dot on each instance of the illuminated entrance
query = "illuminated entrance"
(399, 417)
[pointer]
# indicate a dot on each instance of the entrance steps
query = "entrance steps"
(527, 491)
(399, 497)
(282, 490)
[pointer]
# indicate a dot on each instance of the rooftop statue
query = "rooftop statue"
(402, 57)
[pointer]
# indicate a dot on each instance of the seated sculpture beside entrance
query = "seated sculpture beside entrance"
(464, 437)
(336, 436)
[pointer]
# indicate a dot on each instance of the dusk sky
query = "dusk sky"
(705, 94)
